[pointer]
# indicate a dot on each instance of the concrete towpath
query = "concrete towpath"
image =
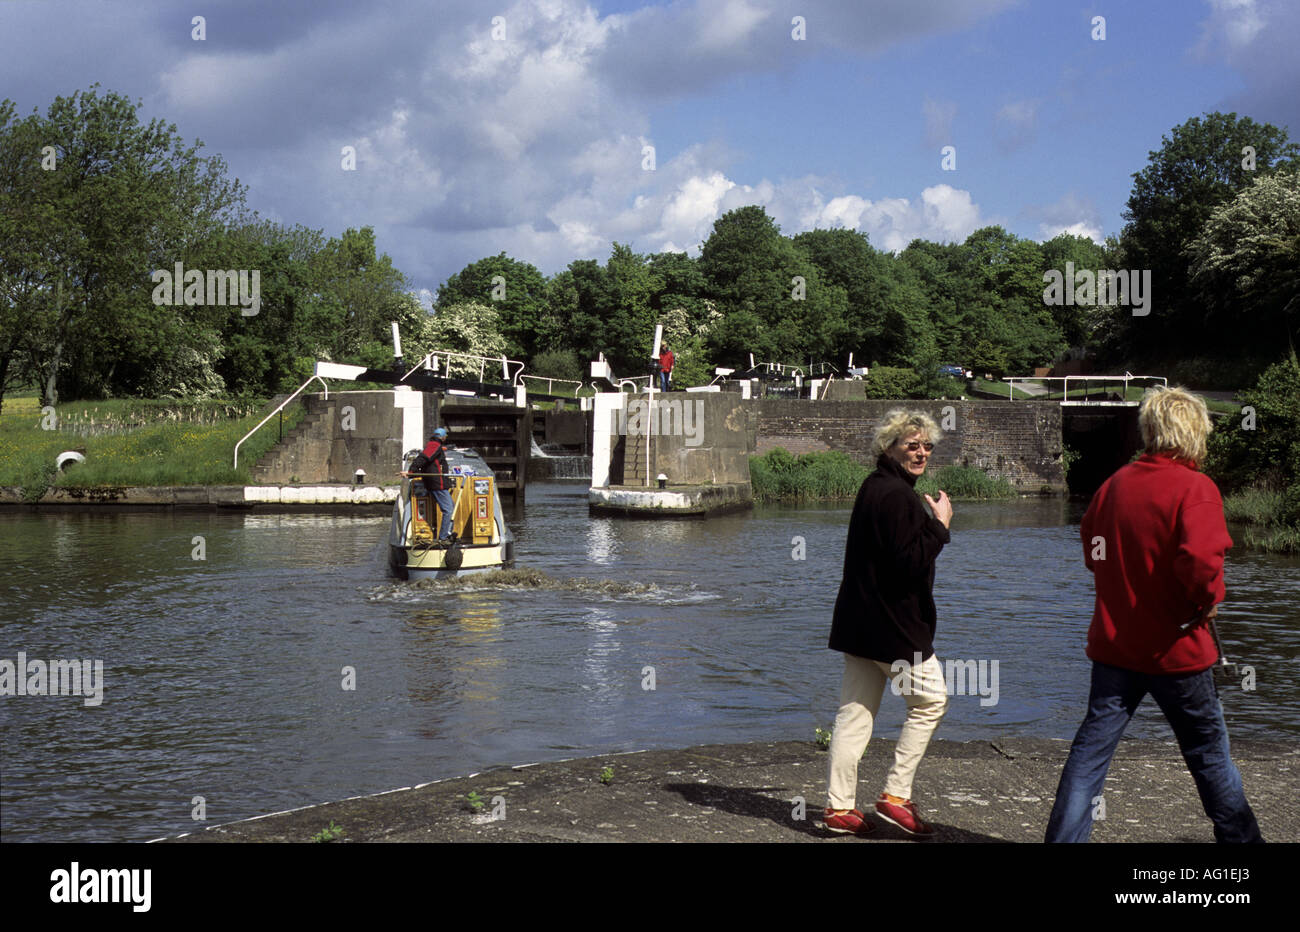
(974, 791)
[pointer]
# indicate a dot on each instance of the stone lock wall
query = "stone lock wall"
(318, 449)
(1020, 442)
(696, 438)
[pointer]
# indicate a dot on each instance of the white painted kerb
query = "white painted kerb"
(320, 494)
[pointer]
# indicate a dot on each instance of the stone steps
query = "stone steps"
(274, 459)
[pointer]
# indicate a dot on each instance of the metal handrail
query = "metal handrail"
(1066, 379)
(278, 410)
(551, 381)
(632, 380)
(426, 359)
(780, 368)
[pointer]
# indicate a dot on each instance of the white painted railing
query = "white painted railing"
(279, 408)
(550, 382)
(638, 383)
(1068, 380)
(432, 361)
(780, 369)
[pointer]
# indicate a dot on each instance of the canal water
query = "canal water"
(223, 678)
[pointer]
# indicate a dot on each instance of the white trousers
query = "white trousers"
(864, 683)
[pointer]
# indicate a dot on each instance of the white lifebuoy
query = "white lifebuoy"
(67, 457)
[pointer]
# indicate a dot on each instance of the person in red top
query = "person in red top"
(665, 366)
(431, 464)
(1154, 538)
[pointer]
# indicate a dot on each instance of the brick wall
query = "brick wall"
(1020, 442)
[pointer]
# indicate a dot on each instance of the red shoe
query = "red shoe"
(903, 815)
(847, 823)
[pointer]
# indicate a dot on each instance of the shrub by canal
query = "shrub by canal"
(1260, 516)
(780, 476)
(1254, 456)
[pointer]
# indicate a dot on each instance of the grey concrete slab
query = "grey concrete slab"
(977, 791)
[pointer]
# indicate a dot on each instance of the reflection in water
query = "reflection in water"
(600, 668)
(456, 650)
(303, 522)
(602, 540)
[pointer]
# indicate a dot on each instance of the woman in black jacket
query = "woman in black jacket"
(884, 623)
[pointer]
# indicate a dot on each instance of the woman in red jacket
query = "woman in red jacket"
(1154, 538)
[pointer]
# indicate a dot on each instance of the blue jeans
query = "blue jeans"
(663, 381)
(1190, 702)
(443, 498)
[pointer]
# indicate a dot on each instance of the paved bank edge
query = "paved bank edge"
(974, 791)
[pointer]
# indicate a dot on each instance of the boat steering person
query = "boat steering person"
(884, 623)
(431, 465)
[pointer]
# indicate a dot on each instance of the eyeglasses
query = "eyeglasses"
(916, 445)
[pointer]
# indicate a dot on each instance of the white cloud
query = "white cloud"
(1071, 214)
(843, 211)
(942, 213)
(1233, 24)
(690, 213)
(1048, 231)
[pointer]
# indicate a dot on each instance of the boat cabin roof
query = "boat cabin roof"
(467, 458)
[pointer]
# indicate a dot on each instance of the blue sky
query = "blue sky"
(532, 144)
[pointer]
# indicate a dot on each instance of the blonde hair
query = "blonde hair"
(898, 424)
(1174, 421)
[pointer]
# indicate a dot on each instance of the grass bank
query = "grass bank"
(1254, 516)
(780, 476)
(132, 442)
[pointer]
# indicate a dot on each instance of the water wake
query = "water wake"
(515, 579)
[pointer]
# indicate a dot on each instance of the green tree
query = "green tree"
(1076, 322)
(689, 343)
(935, 271)
(1260, 447)
(555, 324)
(471, 328)
(631, 285)
(577, 301)
(773, 298)
(985, 302)
(274, 350)
(357, 294)
(1245, 266)
(882, 320)
(515, 288)
(1003, 275)
(558, 364)
(1202, 164)
(25, 289)
(119, 199)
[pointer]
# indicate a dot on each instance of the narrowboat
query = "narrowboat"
(480, 539)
